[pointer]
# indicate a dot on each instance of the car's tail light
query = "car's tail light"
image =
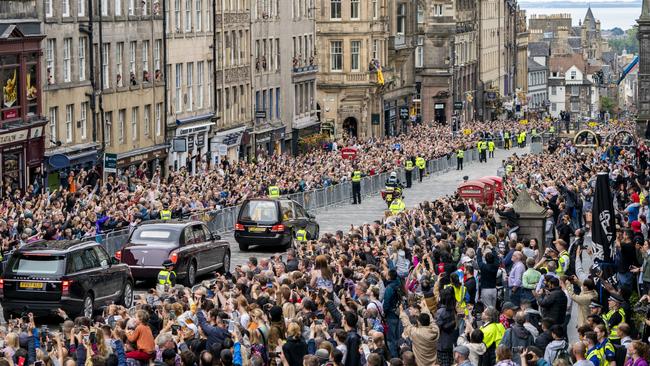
(277, 228)
(65, 287)
(2, 287)
(239, 227)
(173, 257)
(118, 255)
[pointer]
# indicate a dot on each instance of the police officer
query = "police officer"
(491, 148)
(563, 258)
(421, 164)
(479, 148)
(408, 167)
(614, 317)
(506, 140)
(356, 186)
(274, 191)
(460, 155)
(397, 206)
(484, 146)
(165, 213)
(167, 276)
(301, 235)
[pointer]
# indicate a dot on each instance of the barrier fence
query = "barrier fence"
(223, 220)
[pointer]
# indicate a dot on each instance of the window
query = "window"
(108, 122)
(177, 15)
(198, 10)
(419, 52)
(179, 80)
(335, 9)
(147, 119)
(157, 46)
(375, 9)
(157, 118)
(49, 59)
(401, 18)
(119, 57)
(48, 8)
(210, 75)
(336, 56)
(144, 7)
(131, 7)
(199, 84)
(420, 15)
(553, 90)
(118, 7)
(277, 103)
(132, 47)
(355, 46)
(554, 107)
(53, 114)
(121, 116)
(375, 49)
(105, 60)
(67, 67)
(354, 9)
(134, 123)
(145, 62)
(69, 115)
(575, 90)
(81, 8)
(437, 10)
(573, 75)
(65, 8)
(188, 15)
(82, 58)
(104, 5)
(575, 106)
(83, 112)
(190, 87)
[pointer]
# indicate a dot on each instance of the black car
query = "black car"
(190, 245)
(272, 222)
(77, 276)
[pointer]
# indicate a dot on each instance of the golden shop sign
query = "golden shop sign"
(12, 137)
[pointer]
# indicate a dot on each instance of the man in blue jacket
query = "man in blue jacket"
(392, 299)
(216, 330)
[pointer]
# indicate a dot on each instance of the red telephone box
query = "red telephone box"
(498, 184)
(478, 191)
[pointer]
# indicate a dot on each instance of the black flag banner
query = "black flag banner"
(603, 226)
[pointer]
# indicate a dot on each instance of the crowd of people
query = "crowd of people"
(84, 205)
(449, 282)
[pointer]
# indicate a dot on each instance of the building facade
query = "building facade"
(492, 62)
(22, 122)
(537, 97)
(189, 113)
(126, 114)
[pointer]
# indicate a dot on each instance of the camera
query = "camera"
(529, 356)
(174, 329)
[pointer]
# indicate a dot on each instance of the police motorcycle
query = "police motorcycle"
(393, 189)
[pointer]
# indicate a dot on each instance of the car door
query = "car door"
(112, 280)
(214, 248)
(186, 251)
(93, 275)
(303, 219)
(202, 248)
(288, 215)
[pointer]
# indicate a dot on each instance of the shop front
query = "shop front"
(195, 132)
(227, 144)
(270, 141)
(21, 157)
(303, 128)
(148, 159)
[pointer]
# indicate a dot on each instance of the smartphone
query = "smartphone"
(174, 329)
(21, 361)
(269, 285)
(86, 338)
(231, 326)
(92, 338)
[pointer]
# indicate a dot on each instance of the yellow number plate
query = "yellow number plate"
(257, 229)
(35, 285)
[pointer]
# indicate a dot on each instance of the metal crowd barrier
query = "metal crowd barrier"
(223, 220)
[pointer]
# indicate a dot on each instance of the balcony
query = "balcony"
(300, 70)
(400, 42)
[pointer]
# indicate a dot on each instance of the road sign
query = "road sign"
(110, 163)
(260, 114)
(404, 112)
(458, 106)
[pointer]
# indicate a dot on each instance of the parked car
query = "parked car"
(75, 275)
(189, 244)
(272, 222)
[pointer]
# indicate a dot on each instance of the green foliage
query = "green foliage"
(607, 104)
(627, 42)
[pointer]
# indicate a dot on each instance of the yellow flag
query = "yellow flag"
(380, 76)
(593, 124)
(523, 122)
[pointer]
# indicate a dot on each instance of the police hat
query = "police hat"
(595, 304)
(168, 263)
(615, 298)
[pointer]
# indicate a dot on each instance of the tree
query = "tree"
(629, 42)
(607, 104)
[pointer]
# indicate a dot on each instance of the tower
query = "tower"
(643, 100)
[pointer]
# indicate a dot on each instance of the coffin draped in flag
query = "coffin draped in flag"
(603, 225)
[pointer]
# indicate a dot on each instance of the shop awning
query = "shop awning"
(231, 137)
(141, 154)
(202, 117)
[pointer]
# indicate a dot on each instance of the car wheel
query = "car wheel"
(127, 295)
(88, 307)
(190, 278)
(243, 247)
(226, 263)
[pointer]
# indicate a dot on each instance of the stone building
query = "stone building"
(492, 61)
(21, 119)
(537, 88)
(570, 89)
(521, 63)
(362, 49)
(284, 74)
(129, 86)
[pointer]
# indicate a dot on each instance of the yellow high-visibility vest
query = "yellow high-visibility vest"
(460, 154)
(274, 192)
(420, 162)
(301, 235)
(165, 215)
(164, 277)
(408, 165)
(493, 333)
(397, 206)
(356, 176)
(606, 317)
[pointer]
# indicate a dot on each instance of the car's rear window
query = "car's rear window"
(25, 264)
(260, 212)
(158, 235)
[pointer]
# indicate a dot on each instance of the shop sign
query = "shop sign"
(458, 106)
(179, 144)
(190, 143)
(12, 113)
(200, 140)
(110, 163)
(404, 112)
(375, 119)
(439, 106)
(12, 137)
(260, 114)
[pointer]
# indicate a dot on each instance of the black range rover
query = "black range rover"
(77, 276)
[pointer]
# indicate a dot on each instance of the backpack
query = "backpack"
(563, 354)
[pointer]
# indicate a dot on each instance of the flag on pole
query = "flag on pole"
(603, 225)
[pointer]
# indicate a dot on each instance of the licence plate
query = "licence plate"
(257, 229)
(32, 285)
